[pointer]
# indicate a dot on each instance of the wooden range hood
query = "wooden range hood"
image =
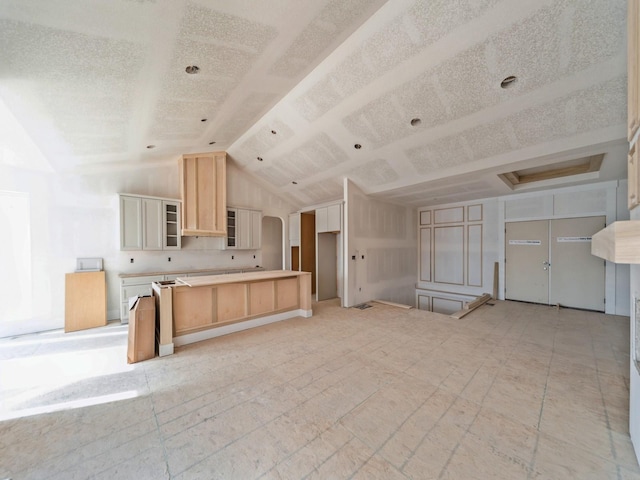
(618, 243)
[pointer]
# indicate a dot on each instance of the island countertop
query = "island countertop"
(237, 278)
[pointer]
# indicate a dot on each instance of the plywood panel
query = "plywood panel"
(448, 215)
(295, 259)
(85, 301)
(308, 246)
(261, 297)
(446, 305)
(474, 255)
(192, 308)
(425, 254)
(232, 302)
(448, 255)
(287, 295)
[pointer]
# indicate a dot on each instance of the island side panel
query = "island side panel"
(261, 297)
(287, 294)
(193, 308)
(305, 292)
(232, 302)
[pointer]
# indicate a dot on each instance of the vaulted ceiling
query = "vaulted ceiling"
(289, 88)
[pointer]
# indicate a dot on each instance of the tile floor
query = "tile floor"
(512, 391)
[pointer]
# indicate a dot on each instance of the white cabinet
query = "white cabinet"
(294, 229)
(244, 229)
(132, 287)
(329, 219)
(149, 223)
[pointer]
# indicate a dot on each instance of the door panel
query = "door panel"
(526, 252)
(577, 277)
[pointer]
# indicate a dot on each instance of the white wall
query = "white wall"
(607, 198)
(475, 265)
(384, 234)
(77, 216)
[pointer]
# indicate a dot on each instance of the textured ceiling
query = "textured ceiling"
(95, 82)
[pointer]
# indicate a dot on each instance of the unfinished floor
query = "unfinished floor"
(512, 391)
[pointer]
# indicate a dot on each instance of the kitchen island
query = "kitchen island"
(192, 309)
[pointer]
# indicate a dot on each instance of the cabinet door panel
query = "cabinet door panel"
(130, 223)
(256, 230)
(152, 224)
(334, 218)
(244, 228)
(321, 219)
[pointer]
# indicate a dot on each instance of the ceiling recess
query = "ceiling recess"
(357, 146)
(192, 69)
(151, 146)
(415, 122)
(569, 168)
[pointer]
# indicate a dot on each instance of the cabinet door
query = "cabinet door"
(294, 230)
(204, 194)
(256, 230)
(244, 229)
(334, 217)
(152, 224)
(130, 223)
(634, 180)
(171, 239)
(633, 64)
(321, 220)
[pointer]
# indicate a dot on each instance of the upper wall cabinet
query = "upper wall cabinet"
(149, 223)
(294, 229)
(203, 183)
(633, 65)
(329, 219)
(244, 229)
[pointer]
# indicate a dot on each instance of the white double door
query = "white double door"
(550, 262)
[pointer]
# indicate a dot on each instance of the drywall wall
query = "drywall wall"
(73, 215)
(380, 249)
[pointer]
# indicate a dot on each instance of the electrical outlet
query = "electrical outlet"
(131, 260)
(232, 257)
(169, 258)
(254, 256)
(360, 289)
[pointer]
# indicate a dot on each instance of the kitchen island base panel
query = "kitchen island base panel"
(238, 327)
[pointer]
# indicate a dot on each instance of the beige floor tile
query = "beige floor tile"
(380, 393)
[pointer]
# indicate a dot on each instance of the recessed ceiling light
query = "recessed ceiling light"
(507, 82)
(357, 146)
(203, 120)
(192, 69)
(294, 182)
(415, 122)
(274, 132)
(151, 146)
(259, 159)
(211, 143)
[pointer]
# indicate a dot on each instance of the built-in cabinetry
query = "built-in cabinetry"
(132, 286)
(149, 223)
(633, 68)
(633, 98)
(204, 194)
(294, 229)
(244, 229)
(329, 219)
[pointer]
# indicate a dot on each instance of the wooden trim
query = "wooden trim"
(420, 273)
(435, 215)
(462, 256)
(469, 219)
(427, 217)
(481, 253)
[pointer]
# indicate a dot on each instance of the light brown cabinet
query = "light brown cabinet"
(203, 183)
(634, 181)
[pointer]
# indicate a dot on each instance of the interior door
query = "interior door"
(577, 277)
(527, 261)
